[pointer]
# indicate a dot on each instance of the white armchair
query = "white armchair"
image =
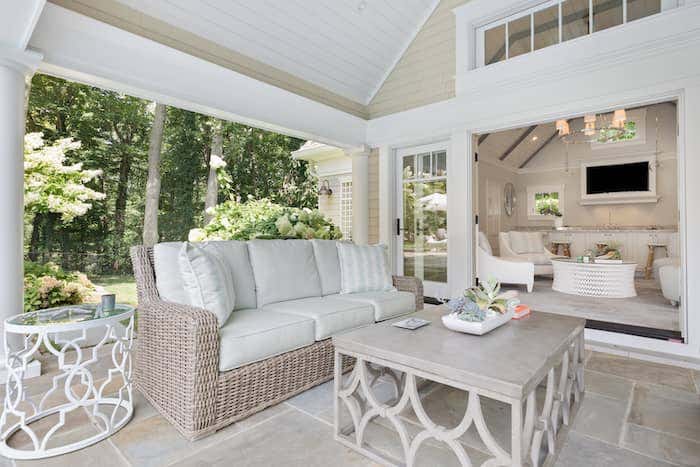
(527, 246)
(507, 271)
(669, 275)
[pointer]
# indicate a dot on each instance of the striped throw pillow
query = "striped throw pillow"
(363, 268)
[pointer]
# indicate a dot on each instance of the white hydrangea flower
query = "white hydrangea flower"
(216, 162)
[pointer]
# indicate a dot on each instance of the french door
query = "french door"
(421, 225)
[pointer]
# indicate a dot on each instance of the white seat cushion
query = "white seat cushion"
(284, 270)
(330, 316)
(326, 254)
(536, 258)
(386, 304)
(253, 335)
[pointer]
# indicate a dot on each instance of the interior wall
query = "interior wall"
(492, 215)
(549, 167)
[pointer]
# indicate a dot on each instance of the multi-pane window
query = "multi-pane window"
(346, 209)
(557, 21)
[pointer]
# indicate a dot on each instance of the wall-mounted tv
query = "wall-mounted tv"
(631, 177)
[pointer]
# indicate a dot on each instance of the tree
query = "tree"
(216, 161)
(150, 218)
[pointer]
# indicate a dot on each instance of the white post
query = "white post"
(360, 195)
(387, 209)
(460, 260)
(15, 66)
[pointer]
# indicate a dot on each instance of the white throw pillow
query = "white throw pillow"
(363, 268)
(207, 280)
(519, 242)
(535, 242)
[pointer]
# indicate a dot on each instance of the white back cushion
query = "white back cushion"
(519, 242)
(207, 280)
(363, 268)
(326, 254)
(235, 254)
(535, 242)
(284, 270)
(167, 268)
(484, 243)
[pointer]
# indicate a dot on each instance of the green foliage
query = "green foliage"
(487, 296)
(47, 285)
(264, 219)
(611, 135)
(547, 204)
(52, 186)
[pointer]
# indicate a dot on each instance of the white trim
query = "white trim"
(427, 14)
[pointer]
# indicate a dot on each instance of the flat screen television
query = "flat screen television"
(631, 177)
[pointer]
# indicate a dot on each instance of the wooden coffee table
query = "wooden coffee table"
(507, 365)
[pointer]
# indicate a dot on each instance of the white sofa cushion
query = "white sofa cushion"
(284, 270)
(167, 269)
(363, 268)
(535, 242)
(386, 304)
(253, 335)
(326, 254)
(519, 242)
(235, 254)
(536, 258)
(330, 316)
(207, 280)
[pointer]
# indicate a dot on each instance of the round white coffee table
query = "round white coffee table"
(599, 279)
(62, 331)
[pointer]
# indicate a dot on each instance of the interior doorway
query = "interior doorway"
(593, 202)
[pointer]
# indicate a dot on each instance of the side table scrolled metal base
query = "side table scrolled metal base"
(109, 401)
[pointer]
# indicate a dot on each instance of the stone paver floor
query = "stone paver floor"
(634, 414)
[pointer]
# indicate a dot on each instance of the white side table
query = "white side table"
(61, 331)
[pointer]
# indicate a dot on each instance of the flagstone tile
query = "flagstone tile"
(293, 438)
(608, 385)
(661, 445)
(581, 451)
(154, 441)
(647, 372)
(663, 410)
(601, 418)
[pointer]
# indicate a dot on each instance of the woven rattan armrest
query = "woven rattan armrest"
(410, 284)
(177, 362)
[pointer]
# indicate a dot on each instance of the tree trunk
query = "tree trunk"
(150, 218)
(36, 237)
(217, 149)
(120, 207)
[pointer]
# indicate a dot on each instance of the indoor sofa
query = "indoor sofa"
(202, 374)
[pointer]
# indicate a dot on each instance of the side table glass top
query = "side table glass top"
(69, 315)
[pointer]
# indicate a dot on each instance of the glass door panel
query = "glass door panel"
(423, 220)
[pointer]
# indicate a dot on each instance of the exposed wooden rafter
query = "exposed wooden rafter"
(537, 151)
(483, 137)
(517, 142)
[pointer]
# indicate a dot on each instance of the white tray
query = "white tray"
(478, 328)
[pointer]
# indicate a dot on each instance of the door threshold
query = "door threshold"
(640, 331)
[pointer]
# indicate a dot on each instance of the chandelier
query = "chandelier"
(603, 128)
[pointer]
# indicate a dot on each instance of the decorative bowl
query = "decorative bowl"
(478, 328)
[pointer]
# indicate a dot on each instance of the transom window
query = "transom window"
(556, 21)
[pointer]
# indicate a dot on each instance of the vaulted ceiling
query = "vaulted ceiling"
(347, 47)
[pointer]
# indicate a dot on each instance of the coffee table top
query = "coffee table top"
(509, 360)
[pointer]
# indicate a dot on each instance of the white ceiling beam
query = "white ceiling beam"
(17, 21)
(83, 49)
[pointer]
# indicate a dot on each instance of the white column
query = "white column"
(360, 195)
(460, 219)
(15, 66)
(387, 210)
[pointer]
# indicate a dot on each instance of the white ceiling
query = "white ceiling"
(345, 46)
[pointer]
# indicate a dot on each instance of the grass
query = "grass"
(124, 287)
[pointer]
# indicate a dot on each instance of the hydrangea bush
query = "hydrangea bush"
(52, 186)
(47, 285)
(264, 219)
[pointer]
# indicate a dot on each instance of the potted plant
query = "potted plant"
(481, 308)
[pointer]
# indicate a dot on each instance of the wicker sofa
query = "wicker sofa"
(202, 376)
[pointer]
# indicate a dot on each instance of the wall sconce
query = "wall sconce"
(325, 189)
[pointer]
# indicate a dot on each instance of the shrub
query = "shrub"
(264, 219)
(47, 285)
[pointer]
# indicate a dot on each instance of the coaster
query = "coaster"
(411, 323)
